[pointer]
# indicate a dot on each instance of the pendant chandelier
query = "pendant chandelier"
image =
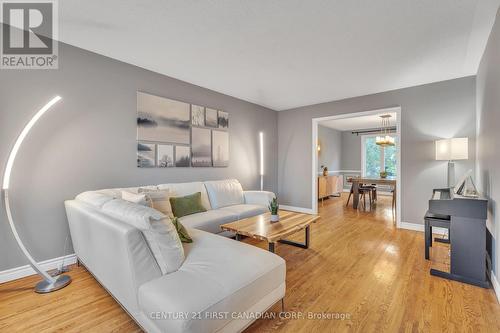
(385, 139)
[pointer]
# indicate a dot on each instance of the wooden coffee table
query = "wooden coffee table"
(260, 227)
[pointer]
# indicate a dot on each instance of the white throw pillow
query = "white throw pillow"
(159, 200)
(160, 233)
(138, 198)
(224, 193)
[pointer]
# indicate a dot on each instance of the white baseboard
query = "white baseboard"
(411, 226)
(297, 209)
(496, 285)
(421, 228)
(23, 271)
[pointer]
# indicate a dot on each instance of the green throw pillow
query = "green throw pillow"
(190, 204)
(183, 234)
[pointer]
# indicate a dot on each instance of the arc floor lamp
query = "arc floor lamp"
(49, 283)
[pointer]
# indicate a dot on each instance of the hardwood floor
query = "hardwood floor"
(358, 266)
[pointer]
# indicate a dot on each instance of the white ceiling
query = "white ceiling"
(287, 53)
(359, 123)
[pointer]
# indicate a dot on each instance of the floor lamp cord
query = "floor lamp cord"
(63, 268)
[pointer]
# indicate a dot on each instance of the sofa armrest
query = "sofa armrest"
(115, 252)
(261, 198)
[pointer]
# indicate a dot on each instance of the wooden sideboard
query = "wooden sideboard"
(329, 185)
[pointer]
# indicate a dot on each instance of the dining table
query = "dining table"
(356, 181)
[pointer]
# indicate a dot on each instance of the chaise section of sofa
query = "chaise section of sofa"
(220, 277)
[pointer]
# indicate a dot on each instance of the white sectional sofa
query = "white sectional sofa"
(219, 277)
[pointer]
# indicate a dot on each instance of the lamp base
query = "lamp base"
(44, 287)
(451, 174)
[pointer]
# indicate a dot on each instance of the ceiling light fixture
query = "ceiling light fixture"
(385, 139)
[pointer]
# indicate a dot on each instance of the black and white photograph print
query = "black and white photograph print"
(162, 120)
(223, 120)
(197, 115)
(201, 147)
(211, 118)
(220, 148)
(165, 156)
(182, 156)
(146, 155)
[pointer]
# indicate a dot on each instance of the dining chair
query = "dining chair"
(373, 188)
(374, 192)
(362, 193)
(393, 191)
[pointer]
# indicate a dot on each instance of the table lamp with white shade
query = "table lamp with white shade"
(452, 150)
(49, 283)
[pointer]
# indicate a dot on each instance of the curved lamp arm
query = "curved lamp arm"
(6, 182)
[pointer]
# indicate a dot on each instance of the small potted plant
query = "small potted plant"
(274, 208)
(383, 174)
(325, 170)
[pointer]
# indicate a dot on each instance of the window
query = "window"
(376, 158)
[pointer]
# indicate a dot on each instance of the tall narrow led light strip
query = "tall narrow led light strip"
(49, 283)
(261, 145)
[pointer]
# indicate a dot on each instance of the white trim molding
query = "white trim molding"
(421, 228)
(412, 226)
(297, 209)
(496, 285)
(47, 265)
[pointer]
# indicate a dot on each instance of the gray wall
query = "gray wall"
(330, 154)
(488, 121)
(340, 150)
(88, 141)
(351, 151)
(429, 112)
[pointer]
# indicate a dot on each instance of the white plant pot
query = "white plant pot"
(275, 218)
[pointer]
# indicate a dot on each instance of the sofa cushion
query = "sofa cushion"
(182, 189)
(244, 211)
(165, 243)
(159, 231)
(116, 193)
(224, 193)
(208, 221)
(134, 214)
(94, 198)
(221, 275)
(262, 198)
